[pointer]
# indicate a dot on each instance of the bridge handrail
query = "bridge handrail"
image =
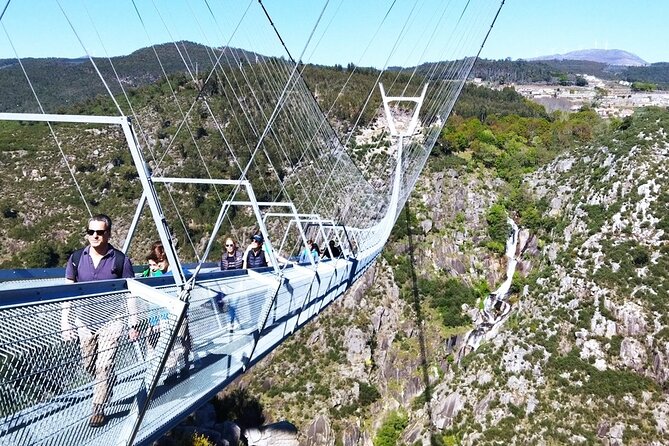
(43, 377)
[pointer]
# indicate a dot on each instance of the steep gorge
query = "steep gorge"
(584, 357)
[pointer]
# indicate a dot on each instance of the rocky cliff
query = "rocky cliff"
(583, 358)
(375, 352)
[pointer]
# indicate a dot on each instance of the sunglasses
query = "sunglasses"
(96, 231)
(229, 244)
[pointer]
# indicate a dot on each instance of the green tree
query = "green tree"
(391, 429)
(448, 296)
(580, 81)
(498, 227)
(517, 283)
(643, 86)
(487, 154)
(41, 255)
(458, 134)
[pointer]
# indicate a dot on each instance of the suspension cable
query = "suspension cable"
(2, 14)
(95, 66)
(53, 133)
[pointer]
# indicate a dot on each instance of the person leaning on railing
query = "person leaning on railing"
(98, 261)
(157, 266)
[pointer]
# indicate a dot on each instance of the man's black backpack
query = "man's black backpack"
(117, 269)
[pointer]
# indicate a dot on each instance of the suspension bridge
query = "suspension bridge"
(220, 132)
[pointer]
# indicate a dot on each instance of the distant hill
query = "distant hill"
(608, 57)
(69, 81)
(554, 71)
(65, 82)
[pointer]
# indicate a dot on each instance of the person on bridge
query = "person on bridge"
(232, 258)
(159, 265)
(310, 250)
(98, 332)
(157, 261)
(334, 248)
(255, 256)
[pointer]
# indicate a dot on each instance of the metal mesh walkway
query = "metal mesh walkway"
(47, 385)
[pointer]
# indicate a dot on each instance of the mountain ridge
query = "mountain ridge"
(612, 57)
(73, 80)
(70, 81)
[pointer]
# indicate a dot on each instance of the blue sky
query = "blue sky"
(525, 28)
(530, 28)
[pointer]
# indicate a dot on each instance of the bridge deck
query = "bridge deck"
(49, 403)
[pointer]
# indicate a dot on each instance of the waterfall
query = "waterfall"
(511, 246)
(495, 307)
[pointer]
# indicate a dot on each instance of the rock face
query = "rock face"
(633, 354)
(320, 433)
(582, 358)
(357, 346)
(230, 432)
(282, 433)
(351, 436)
(446, 410)
(451, 196)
